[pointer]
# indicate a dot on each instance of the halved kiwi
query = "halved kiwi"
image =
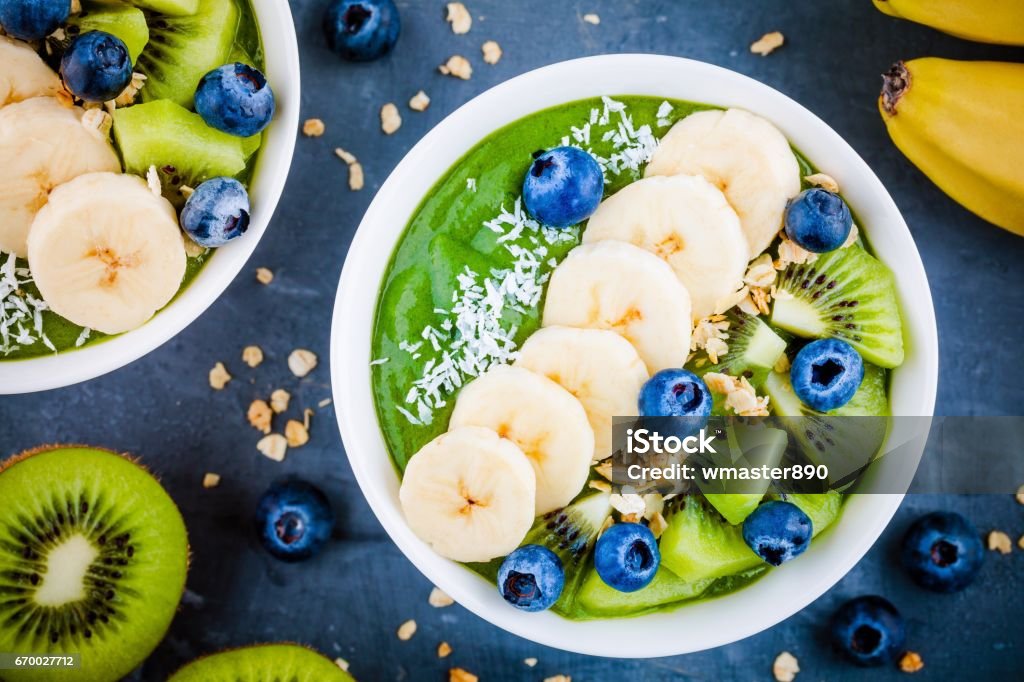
(845, 294)
(93, 558)
(183, 49)
(263, 663)
(124, 21)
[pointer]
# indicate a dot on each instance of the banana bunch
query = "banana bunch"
(104, 250)
(962, 123)
(983, 21)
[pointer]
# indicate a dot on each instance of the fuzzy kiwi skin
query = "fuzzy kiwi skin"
(112, 649)
(278, 661)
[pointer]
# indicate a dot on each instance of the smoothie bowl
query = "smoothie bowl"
(145, 145)
(605, 237)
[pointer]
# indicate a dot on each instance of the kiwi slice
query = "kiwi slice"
(182, 147)
(124, 21)
(600, 601)
(172, 7)
(571, 533)
(263, 663)
(700, 544)
(845, 294)
(846, 439)
(754, 348)
(756, 446)
(93, 557)
(183, 49)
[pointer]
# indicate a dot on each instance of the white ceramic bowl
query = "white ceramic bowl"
(281, 57)
(703, 624)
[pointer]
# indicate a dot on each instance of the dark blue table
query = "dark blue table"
(349, 601)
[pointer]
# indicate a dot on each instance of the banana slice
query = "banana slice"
(686, 221)
(469, 494)
(620, 287)
(23, 73)
(745, 156)
(599, 367)
(42, 144)
(539, 416)
(105, 252)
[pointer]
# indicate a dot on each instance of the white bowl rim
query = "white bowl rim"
(703, 624)
(281, 58)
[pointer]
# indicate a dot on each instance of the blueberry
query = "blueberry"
(362, 30)
(96, 67)
(778, 531)
(563, 187)
(531, 578)
(869, 630)
(942, 551)
(676, 393)
(626, 556)
(33, 19)
(217, 212)
(818, 220)
(294, 520)
(826, 374)
(235, 99)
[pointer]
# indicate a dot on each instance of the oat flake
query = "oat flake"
(592, 18)
(459, 17)
(492, 52)
(768, 43)
(419, 102)
(461, 675)
(296, 433)
(219, 377)
(444, 650)
(211, 480)
(785, 667)
(301, 362)
(260, 416)
(406, 630)
(279, 400)
(911, 662)
(999, 541)
(264, 276)
(824, 181)
(313, 127)
(390, 119)
(457, 66)
(273, 446)
(252, 355)
(439, 599)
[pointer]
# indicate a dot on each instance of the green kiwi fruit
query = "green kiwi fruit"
(93, 558)
(263, 663)
(845, 294)
(754, 348)
(845, 440)
(183, 49)
(599, 600)
(178, 142)
(124, 21)
(172, 7)
(700, 544)
(753, 447)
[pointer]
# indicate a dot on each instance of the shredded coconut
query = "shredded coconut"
(21, 313)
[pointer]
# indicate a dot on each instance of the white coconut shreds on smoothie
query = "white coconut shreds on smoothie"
(469, 337)
(21, 313)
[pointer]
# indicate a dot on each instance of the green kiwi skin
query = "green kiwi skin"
(269, 662)
(141, 567)
(598, 600)
(845, 294)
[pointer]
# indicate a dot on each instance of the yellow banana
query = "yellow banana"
(984, 21)
(962, 124)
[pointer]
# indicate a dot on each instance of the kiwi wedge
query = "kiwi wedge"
(754, 446)
(846, 439)
(700, 544)
(93, 558)
(117, 18)
(754, 348)
(845, 294)
(263, 663)
(598, 600)
(178, 142)
(183, 49)
(172, 7)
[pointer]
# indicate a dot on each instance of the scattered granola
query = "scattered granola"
(313, 127)
(852, 238)
(355, 169)
(791, 252)
(1000, 542)
(273, 446)
(458, 67)
(732, 300)
(530, 662)
(252, 356)
(558, 678)
(153, 181)
(444, 650)
(341, 663)
(186, 192)
(439, 599)
(768, 43)
(459, 17)
(301, 362)
(1020, 542)
(406, 630)
(390, 119)
(715, 349)
(296, 433)
(219, 377)
(98, 122)
(740, 396)
(603, 486)
(127, 96)
(592, 18)
(1020, 495)
(760, 272)
(824, 181)
(911, 662)
(211, 480)
(605, 469)
(264, 276)
(279, 400)
(785, 667)
(460, 675)
(628, 504)
(658, 524)
(260, 415)
(419, 102)
(707, 329)
(324, 403)
(492, 52)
